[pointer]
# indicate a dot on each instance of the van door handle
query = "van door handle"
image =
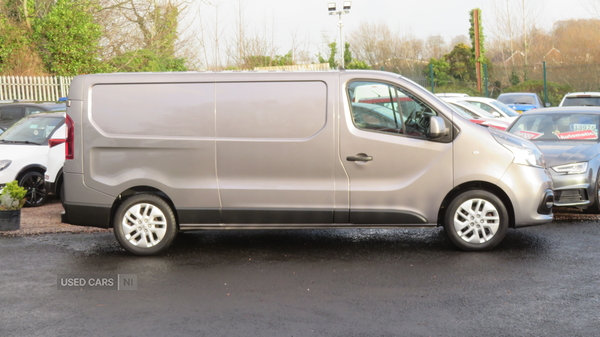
(360, 157)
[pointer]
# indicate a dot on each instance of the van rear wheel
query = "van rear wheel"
(144, 224)
(476, 220)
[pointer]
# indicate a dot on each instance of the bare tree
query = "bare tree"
(435, 47)
(513, 31)
(152, 25)
(247, 47)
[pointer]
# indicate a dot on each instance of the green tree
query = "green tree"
(514, 79)
(482, 50)
(18, 54)
(331, 60)
(68, 38)
(350, 62)
(459, 60)
(157, 27)
(250, 62)
(347, 54)
(284, 60)
(145, 60)
(441, 71)
(11, 39)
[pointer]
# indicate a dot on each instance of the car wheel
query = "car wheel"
(144, 224)
(476, 220)
(594, 208)
(33, 182)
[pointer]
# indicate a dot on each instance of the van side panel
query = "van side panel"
(159, 110)
(159, 135)
(275, 152)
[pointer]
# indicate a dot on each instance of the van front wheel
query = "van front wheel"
(145, 224)
(476, 220)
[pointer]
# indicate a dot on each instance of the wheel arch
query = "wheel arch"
(140, 190)
(58, 183)
(477, 185)
(29, 168)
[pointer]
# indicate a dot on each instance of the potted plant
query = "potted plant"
(12, 199)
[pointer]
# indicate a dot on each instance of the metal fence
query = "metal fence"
(297, 67)
(580, 77)
(34, 88)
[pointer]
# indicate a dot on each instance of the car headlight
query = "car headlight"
(524, 151)
(575, 168)
(4, 164)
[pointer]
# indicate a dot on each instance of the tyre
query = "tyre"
(144, 224)
(594, 208)
(33, 182)
(476, 220)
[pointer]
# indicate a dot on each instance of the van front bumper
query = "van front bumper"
(530, 190)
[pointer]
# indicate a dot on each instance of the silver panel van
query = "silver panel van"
(152, 154)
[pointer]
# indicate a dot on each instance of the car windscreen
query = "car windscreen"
(557, 126)
(581, 101)
(475, 110)
(504, 108)
(32, 130)
(463, 112)
(517, 99)
(11, 114)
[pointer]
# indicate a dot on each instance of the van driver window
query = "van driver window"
(386, 108)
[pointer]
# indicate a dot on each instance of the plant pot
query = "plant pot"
(10, 220)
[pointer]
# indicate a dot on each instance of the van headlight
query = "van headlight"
(575, 168)
(524, 151)
(4, 164)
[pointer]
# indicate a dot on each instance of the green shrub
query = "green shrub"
(12, 196)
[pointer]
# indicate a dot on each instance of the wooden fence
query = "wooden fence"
(34, 88)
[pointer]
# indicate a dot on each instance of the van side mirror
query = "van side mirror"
(437, 127)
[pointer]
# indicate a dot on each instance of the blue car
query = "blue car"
(522, 101)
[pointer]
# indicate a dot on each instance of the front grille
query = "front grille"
(570, 196)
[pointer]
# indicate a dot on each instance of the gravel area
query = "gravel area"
(46, 220)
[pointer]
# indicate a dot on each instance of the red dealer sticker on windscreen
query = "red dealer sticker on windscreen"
(528, 134)
(583, 134)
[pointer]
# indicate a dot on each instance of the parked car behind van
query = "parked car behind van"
(568, 137)
(476, 118)
(493, 106)
(12, 112)
(288, 150)
(33, 152)
(522, 101)
(581, 99)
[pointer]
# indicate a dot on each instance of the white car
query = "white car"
(581, 99)
(476, 111)
(477, 115)
(451, 94)
(32, 151)
(493, 106)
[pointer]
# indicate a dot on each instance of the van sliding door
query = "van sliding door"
(275, 152)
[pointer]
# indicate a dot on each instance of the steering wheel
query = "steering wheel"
(414, 117)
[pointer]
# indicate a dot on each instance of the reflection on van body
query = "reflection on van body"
(154, 154)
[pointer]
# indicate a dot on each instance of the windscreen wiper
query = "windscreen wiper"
(18, 142)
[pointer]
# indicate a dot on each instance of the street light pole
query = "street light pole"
(345, 10)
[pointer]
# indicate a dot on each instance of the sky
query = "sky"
(309, 21)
